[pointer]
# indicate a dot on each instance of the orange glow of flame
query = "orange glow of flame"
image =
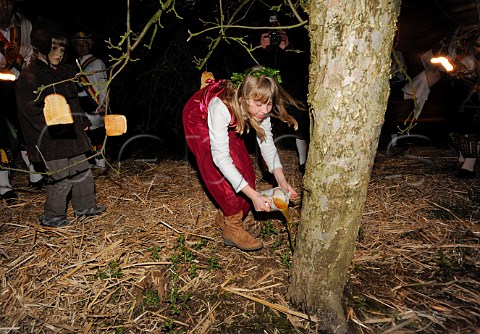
(444, 62)
(7, 76)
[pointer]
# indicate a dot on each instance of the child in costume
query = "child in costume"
(61, 147)
(214, 119)
(93, 96)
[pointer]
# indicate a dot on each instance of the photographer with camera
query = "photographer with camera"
(276, 51)
(275, 38)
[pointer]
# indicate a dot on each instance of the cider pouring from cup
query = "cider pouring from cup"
(278, 198)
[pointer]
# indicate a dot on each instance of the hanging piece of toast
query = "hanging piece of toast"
(56, 110)
(205, 76)
(115, 125)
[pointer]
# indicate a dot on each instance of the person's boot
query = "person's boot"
(54, 222)
(92, 211)
(235, 235)
(219, 219)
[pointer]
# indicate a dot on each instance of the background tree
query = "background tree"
(348, 92)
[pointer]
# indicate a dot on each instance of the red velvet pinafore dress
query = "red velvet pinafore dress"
(195, 125)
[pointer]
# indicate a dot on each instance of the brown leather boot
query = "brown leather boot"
(235, 235)
(219, 220)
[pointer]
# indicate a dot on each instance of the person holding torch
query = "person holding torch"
(465, 66)
(15, 53)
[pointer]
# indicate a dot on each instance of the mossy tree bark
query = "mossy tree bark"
(351, 42)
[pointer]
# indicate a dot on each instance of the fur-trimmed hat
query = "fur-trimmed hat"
(43, 31)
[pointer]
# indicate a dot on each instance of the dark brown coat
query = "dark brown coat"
(51, 142)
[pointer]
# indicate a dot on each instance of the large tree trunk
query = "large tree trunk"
(351, 42)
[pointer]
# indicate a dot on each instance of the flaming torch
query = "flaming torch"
(444, 62)
(7, 76)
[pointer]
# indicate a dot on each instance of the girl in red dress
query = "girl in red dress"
(214, 119)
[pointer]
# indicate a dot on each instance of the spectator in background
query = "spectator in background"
(94, 90)
(276, 51)
(467, 71)
(15, 54)
(61, 147)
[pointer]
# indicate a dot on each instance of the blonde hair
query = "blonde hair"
(263, 89)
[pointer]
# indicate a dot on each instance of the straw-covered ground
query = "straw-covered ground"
(155, 262)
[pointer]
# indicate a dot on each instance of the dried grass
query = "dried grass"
(151, 263)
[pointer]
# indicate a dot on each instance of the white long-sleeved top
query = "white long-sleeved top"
(219, 119)
(26, 49)
(97, 79)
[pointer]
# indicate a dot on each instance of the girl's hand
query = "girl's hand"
(282, 182)
(293, 193)
(261, 203)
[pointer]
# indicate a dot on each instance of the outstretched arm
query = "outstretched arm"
(282, 182)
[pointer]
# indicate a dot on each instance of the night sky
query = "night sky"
(422, 25)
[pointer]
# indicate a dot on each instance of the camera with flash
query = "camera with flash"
(274, 35)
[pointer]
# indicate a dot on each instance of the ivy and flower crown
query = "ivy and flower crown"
(238, 78)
